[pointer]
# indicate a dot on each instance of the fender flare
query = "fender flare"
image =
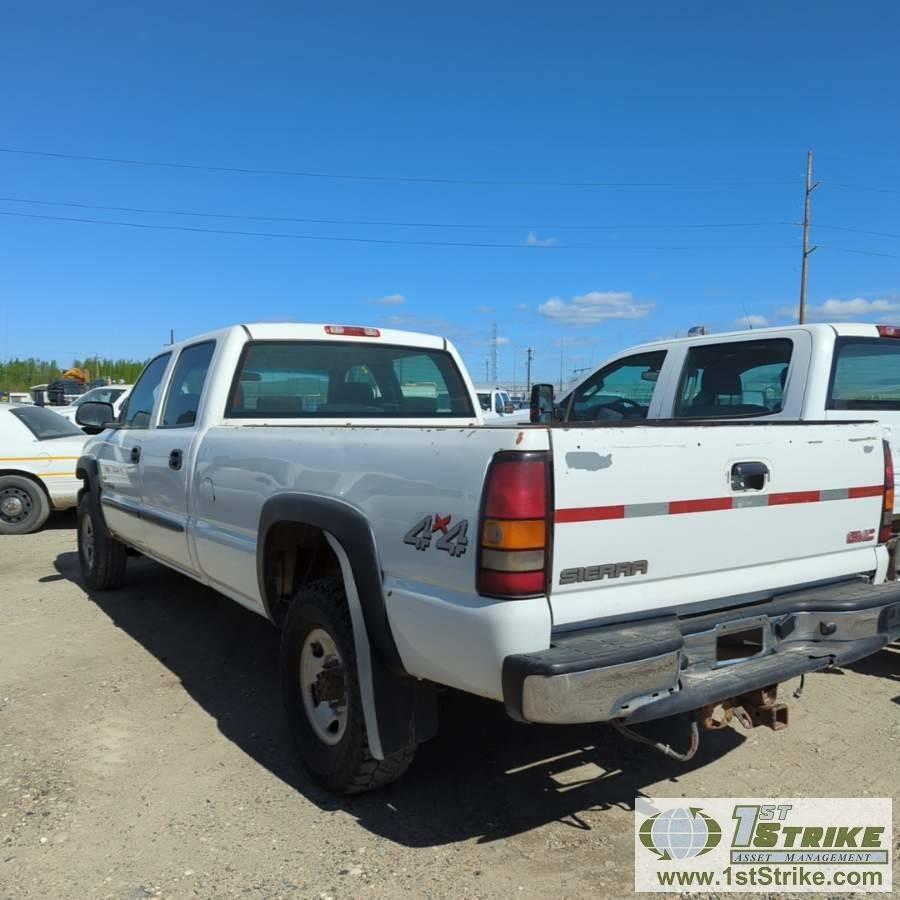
(87, 470)
(399, 711)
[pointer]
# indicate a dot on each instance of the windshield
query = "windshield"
(45, 424)
(328, 379)
(100, 395)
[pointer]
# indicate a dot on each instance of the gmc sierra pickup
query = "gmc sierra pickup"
(340, 481)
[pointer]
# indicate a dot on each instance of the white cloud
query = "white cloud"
(751, 321)
(855, 308)
(534, 241)
(850, 309)
(502, 340)
(391, 300)
(594, 308)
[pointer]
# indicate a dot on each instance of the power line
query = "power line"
(861, 187)
(862, 252)
(406, 179)
(385, 223)
(392, 241)
(891, 234)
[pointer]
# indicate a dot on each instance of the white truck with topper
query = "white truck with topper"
(340, 482)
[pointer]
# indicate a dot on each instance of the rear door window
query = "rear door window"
(734, 378)
(621, 390)
(866, 374)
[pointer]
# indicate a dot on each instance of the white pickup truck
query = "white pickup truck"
(339, 481)
(823, 372)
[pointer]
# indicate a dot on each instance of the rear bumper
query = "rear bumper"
(659, 667)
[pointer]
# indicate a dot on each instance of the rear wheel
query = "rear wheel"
(102, 558)
(320, 685)
(24, 506)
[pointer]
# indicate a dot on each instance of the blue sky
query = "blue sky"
(724, 97)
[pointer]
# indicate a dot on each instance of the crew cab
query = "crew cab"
(821, 372)
(340, 482)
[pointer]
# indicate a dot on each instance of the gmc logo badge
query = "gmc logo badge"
(608, 570)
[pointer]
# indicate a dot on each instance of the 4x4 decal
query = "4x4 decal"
(452, 540)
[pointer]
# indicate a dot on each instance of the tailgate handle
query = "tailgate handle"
(749, 476)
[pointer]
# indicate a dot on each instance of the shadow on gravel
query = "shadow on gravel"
(483, 776)
(884, 664)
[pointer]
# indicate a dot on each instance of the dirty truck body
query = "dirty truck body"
(341, 483)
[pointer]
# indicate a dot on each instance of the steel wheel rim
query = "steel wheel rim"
(327, 718)
(87, 541)
(16, 505)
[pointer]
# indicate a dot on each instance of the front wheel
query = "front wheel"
(24, 506)
(320, 685)
(102, 558)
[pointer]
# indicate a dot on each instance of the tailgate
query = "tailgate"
(660, 516)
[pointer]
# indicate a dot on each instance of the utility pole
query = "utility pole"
(494, 353)
(807, 250)
(487, 370)
(528, 358)
(562, 353)
(171, 335)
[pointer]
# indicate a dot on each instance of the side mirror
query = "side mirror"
(541, 404)
(94, 417)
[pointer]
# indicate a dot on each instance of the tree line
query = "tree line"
(22, 374)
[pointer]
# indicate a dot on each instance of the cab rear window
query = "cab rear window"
(331, 379)
(734, 378)
(865, 374)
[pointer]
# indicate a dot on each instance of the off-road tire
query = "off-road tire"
(30, 498)
(104, 568)
(346, 767)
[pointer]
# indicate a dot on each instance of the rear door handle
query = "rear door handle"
(749, 476)
(135, 455)
(175, 459)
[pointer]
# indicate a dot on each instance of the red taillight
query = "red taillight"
(514, 531)
(888, 331)
(352, 331)
(887, 508)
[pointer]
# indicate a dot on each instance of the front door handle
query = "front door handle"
(749, 476)
(175, 459)
(135, 455)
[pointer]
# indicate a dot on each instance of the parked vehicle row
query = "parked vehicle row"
(342, 483)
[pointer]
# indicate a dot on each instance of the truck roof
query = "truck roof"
(845, 329)
(303, 331)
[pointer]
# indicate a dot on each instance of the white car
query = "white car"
(116, 394)
(339, 480)
(38, 452)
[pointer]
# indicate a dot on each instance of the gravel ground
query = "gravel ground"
(143, 753)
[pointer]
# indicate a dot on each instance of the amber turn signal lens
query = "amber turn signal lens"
(521, 534)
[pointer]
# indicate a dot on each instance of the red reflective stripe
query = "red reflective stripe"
(710, 504)
(876, 490)
(794, 497)
(590, 514)
(691, 506)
